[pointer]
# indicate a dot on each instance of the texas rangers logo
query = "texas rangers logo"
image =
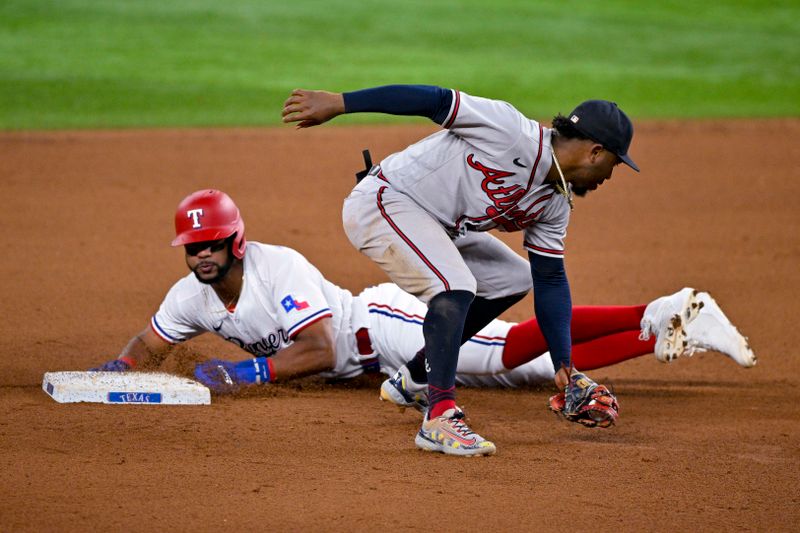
(195, 215)
(290, 303)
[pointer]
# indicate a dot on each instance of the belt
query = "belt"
(377, 172)
(366, 353)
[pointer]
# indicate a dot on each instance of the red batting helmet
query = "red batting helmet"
(209, 215)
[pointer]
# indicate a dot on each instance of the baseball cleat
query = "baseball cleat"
(667, 318)
(404, 392)
(712, 330)
(449, 434)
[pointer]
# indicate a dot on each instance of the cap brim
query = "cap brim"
(628, 161)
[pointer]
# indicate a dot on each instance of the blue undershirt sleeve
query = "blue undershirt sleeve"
(420, 100)
(553, 306)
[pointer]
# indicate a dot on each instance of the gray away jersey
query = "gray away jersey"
(485, 170)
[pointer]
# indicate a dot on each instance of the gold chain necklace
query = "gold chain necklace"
(562, 187)
(230, 302)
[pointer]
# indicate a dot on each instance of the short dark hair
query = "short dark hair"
(567, 129)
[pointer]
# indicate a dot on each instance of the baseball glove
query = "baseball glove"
(586, 402)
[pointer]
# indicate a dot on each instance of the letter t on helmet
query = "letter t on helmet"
(209, 215)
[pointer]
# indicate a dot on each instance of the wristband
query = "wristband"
(257, 370)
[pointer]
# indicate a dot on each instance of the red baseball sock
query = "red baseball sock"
(440, 400)
(525, 341)
(591, 322)
(610, 350)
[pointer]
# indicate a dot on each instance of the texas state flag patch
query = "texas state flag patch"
(290, 303)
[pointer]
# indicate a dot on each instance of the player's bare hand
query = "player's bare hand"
(312, 108)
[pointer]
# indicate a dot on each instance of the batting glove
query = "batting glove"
(117, 365)
(226, 377)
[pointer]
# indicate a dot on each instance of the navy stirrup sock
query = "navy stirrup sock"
(416, 367)
(443, 327)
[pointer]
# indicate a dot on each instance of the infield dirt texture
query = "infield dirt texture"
(86, 219)
(702, 444)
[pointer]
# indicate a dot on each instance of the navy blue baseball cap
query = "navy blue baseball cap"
(606, 124)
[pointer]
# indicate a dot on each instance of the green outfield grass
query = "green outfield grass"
(110, 63)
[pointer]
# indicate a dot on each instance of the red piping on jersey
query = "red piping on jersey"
(455, 109)
(484, 337)
(304, 326)
(408, 241)
(372, 305)
(538, 157)
(396, 310)
(545, 250)
(381, 176)
(160, 335)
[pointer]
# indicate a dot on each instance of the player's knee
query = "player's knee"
(429, 287)
(450, 306)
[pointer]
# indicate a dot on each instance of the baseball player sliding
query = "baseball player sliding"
(271, 302)
(422, 215)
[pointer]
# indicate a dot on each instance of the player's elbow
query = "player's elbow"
(316, 347)
(322, 355)
(547, 270)
(325, 360)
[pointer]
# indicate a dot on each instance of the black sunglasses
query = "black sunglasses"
(213, 246)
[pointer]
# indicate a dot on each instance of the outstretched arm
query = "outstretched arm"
(140, 349)
(553, 308)
(311, 108)
(311, 352)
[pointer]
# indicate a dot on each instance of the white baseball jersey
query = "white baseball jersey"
(486, 170)
(396, 317)
(282, 294)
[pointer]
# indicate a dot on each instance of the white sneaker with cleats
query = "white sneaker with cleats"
(712, 330)
(667, 318)
(404, 392)
(449, 434)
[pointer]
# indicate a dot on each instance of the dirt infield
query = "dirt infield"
(701, 445)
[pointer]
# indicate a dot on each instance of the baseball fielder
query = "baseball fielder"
(271, 302)
(422, 215)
